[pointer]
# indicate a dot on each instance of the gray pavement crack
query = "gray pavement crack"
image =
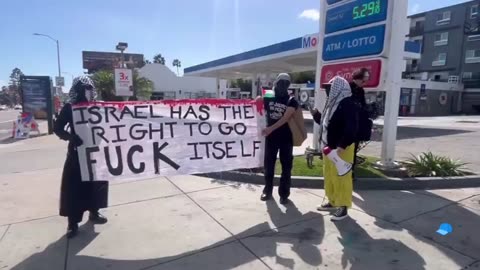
(4, 233)
(67, 247)
(30, 171)
(207, 189)
(28, 220)
(416, 234)
(162, 197)
(470, 265)
(307, 191)
(189, 255)
(235, 238)
(116, 205)
(427, 212)
(440, 197)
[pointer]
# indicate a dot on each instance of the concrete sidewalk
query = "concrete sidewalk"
(188, 222)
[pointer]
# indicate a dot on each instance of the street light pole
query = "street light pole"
(58, 58)
(122, 46)
(58, 50)
(123, 59)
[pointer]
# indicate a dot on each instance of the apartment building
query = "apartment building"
(450, 39)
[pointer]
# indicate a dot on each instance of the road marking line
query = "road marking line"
(9, 121)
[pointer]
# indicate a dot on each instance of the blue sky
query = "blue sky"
(193, 31)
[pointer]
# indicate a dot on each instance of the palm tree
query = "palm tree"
(159, 59)
(143, 87)
(177, 63)
(146, 62)
(105, 85)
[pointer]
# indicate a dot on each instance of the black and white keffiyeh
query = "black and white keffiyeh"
(339, 91)
(74, 91)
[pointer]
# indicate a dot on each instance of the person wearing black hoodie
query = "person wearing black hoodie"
(360, 78)
(279, 139)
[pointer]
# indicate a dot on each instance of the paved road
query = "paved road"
(453, 136)
(6, 118)
(8, 115)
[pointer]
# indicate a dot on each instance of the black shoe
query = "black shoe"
(325, 207)
(72, 230)
(97, 218)
(341, 213)
(284, 201)
(265, 197)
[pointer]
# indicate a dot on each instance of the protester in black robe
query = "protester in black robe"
(77, 196)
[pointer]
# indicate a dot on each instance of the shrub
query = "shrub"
(428, 165)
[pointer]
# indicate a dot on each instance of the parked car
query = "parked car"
(18, 107)
(3, 107)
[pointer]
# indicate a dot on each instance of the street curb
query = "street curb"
(421, 183)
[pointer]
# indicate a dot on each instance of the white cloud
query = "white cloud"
(415, 8)
(311, 14)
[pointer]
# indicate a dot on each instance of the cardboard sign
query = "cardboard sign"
(138, 140)
(24, 125)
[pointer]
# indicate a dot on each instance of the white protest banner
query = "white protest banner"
(138, 140)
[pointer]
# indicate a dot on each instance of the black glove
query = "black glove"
(76, 140)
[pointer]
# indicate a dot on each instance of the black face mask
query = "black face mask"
(327, 89)
(81, 96)
(281, 88)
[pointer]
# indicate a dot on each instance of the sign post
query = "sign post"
(37, 98)
(123, 82)
(59, 81)
(320, 96)
(356, 34)
(393, 83)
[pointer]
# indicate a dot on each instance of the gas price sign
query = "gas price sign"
(356, 13)
(367, 9)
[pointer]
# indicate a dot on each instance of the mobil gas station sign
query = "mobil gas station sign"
(309, 41)
(357, 13)
(347, 69)
(363, 42)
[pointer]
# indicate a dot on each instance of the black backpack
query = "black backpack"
(365, 125)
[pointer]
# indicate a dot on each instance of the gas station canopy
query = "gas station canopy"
(294, 55)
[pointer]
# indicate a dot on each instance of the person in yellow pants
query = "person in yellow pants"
(339, 189)
(339, 125)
